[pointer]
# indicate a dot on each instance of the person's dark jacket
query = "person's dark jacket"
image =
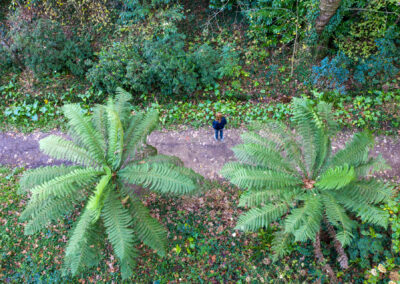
(219, 125)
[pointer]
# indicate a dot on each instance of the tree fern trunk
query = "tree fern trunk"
(327, 8)
(318, 253)
(342, 257)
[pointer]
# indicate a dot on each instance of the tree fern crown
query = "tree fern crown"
(111, 159)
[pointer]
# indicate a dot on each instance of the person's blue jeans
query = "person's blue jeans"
(221, 133)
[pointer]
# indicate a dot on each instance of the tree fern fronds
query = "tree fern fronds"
(355, 151)
(336, 214)
(264, 179)
(335, 178)
(230, 168)
(96, 201)
(310, 225)
(59, 148)
(259, 198)
(368, 191)
(133, 122)
(64, 185)
(82, 126)
(367, 213)
(79, 250)
(261, 156)
(304, 118)
(281, 243)
(50, 212)
(34, 177)
(99, 121)
(163, 159)
(257, 218)
(344, 237)
(159, 178)
(115, 138)
(117, 221)
(371, 166)
(297, 216)
(143, 128)
(254, 138)
(324, 111)
(147, 228)
(122, 103)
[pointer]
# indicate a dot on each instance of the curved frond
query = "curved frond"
(259, 198)
(254, 138)
(311, 224)
(122, 103)
(280, 244)
(264, 179)
(371, 166)
(59, 148)
(230, 168)
(118, 221)
(147, 228)
(335, 178)
(163, 159)
(355, 151)
(325, 114)
(85, 132)
(100, 121)
(368, 191)
(115, 136)
(34, 177)
(158, 177)
(257, 218)
(96, 201)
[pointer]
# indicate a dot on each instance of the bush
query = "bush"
(42, 46)
(156, 65)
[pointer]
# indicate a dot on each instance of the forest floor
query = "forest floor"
(195, 147)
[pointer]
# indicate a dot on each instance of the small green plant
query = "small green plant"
(112, 164)
(297, 180)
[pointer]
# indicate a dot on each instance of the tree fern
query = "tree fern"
(291, 176)
(112, 155)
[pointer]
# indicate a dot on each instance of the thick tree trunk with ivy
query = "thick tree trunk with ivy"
(327, 8)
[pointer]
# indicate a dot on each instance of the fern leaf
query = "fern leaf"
(164, 159)
(59, 148)
(280, 244)
(34, 177)
(117, 221)
(158, 177)
(115, 137)
(355, 151)
(230, 168)
(147, 228)
(258, 198)
(310, 225)
(325, 114)
(344, 237)
(368, 191)
(96, 201)
(121, 103)
(85, 131)
(371, 166)
(254, 138)
(335, 178)
(257, 218)
(100, 121)
(264, 179)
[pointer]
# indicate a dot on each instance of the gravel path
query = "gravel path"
(196, 147)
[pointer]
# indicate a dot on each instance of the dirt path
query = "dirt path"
(197, 149)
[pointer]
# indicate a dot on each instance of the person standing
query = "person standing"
(218, 125)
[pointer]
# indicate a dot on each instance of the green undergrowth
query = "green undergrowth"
(202, 246)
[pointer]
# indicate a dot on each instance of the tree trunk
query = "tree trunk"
(342, 256)
(327, 8)
(321, 259)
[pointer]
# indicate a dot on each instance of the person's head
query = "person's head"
(218, 116)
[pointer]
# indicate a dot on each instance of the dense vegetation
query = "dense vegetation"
(317, 65)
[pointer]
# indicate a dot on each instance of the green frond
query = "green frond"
(100, 121)
(82, 247)
(163, 159)
(158, 177)
(122, 103)
(337, 216)
(281, 243)
(230, 168)
(306, 126)
(96, 201)
(264, 179)
(355, 152)
(34, 177)
(257, 218)
(335, 178)
(61, 149)
(147, 228)
(53, 210)
(139, 132)
(118, 221)
(85, 132)
(344, 237)
(310, 225)
(325, 114)
(368, 191)
(371, 166)
(115, 137)
(64, 185)
(367, 213)
(254, 138)
(260, 156)
(258, 198)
